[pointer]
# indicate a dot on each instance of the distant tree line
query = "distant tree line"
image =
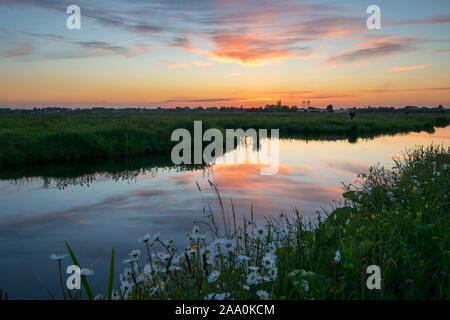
(268, 108)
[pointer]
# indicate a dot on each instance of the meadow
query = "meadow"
(396, 218)
(40, 137)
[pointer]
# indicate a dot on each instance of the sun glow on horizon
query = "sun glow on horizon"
(223, 54)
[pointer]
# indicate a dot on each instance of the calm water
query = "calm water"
(96, 205)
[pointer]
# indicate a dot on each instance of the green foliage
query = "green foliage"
(28, 138)
(397, 219)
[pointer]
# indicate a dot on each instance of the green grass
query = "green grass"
(396, 219)
(26, 138)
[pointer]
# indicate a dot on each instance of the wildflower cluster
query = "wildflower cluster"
(394, 218)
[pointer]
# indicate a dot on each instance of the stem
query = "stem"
(61, 280)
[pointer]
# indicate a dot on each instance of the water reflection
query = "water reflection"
(96, 205)
(85, 172)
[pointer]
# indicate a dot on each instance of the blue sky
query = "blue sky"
(166, 52)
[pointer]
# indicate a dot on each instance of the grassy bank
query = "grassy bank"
(26, 138)
(396, 219)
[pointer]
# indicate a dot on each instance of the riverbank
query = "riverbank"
(395, 219)
(27, 138)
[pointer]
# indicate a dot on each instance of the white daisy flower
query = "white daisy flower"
(263, 295)
(195, 230)
(87, 272)
(57, 257)
(261, 232)
(293, 273)
(229, 245)
(198, 236)
(134, 254)
(218, 243)
(145, 238)
(269, 260)
(243, 258)
(206, 251)
(179, 259)
(115, 295)
(337, 257)
(99, 296)
(217, 296)
(271, 247)
(305, 285)
(128, 272)
(253, 278)
(273, 272)
(213, 276)
(127, 261)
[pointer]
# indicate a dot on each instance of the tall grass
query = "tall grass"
(28, 138)
(397, 219)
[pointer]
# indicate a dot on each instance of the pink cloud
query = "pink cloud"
(404, 68)
(438, 50)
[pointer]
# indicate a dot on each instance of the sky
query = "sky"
(131, 53)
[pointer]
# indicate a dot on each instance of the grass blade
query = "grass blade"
(111, 276)
(83, 279)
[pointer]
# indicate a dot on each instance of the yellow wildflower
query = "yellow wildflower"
(373, 217)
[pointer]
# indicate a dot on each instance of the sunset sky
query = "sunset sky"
(224, 52)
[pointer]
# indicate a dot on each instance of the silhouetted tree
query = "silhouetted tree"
(330, 108)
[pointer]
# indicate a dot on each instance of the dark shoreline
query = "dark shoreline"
(44, 138)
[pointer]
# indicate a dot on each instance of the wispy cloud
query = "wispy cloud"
(19, 50)
(260, 32)
(373, 50)
(407, 90)
(46, 36)
(202, 63)
(430, 20)
(179, 66)
(438, 50)
(106, 48)
(404, 68)
(201, 100)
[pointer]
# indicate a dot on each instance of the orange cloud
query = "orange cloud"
(202, 63)
(247, 49)
(179, 66)
(403, 68)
